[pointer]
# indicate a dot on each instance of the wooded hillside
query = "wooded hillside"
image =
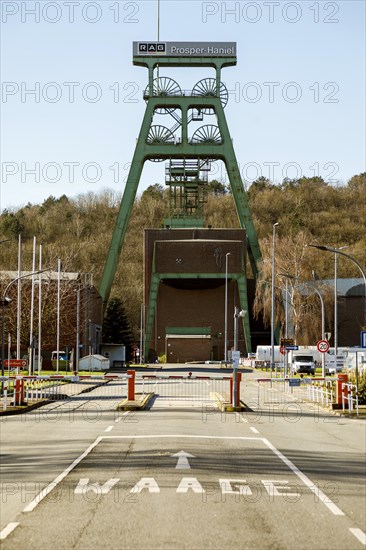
(79, 230)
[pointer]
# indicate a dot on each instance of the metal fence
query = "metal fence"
(349, 397)
(20, 390)
(277, 391)
(199, 389)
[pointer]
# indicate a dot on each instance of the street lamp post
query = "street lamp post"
(77, 354)
(142, 326)
(226, 302)
(336, 303)
(237, 314)
(273, 294)
(339, 251)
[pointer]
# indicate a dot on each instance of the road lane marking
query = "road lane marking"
(360, 535)
(182, 436)
(84, 486)
(8, 529)
(109, 429)
(254, 430)
(121, 417)
(182, 463)
(30, 507)
(306, 481)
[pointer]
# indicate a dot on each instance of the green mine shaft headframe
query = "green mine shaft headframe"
(207, 143)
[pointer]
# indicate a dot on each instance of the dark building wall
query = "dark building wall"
(191, 349)
(351, 319)
(200, 307)
(196, 302)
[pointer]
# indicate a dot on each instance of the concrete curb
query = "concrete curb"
(20, 409)
(139, 403)
(224, 405)
(25, 408)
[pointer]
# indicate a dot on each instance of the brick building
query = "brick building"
(189, 315)
(79, 299)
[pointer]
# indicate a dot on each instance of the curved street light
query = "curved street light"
(339, 251)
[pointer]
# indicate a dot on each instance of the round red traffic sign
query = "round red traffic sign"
(323, 346)
(283, 350)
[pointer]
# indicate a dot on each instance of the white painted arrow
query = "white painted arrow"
(183, 463)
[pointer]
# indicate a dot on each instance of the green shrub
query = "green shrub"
(361, 384)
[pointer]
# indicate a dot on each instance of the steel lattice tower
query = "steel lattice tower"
(188, 157)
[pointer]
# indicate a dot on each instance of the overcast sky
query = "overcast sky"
(72, 103)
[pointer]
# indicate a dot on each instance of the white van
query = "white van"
(303, 363)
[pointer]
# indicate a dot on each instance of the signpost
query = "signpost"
(287, 342)
(235, 357)
(363, 338)
(16, 363)
(323, 346)
(185, 49)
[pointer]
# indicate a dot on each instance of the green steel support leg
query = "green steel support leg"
(243, 296)
(237, 188)
(153, 297)
(125, 210)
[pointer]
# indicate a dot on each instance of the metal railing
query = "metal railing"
(184, 388)
(321, 391)
(276, 391)
(21, 390)
(349, 397)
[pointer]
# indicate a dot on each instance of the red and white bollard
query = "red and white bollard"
(131, 385)
(238, 380)
(19, 391)
(341, 379)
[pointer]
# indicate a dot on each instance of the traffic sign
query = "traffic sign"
(283, 350)
(363, 338)
(288, 348)
(18, 363)
(287, 342)
(323, 346)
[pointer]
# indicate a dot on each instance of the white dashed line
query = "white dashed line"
(240, 418)
(8, 529)
(120, 418)
(360, 535)
(109, 429)
(254, 430)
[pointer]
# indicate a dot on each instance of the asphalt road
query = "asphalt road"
(182, 475)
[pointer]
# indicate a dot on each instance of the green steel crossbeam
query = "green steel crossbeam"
(125, 210)
(185, 149)
(174, 143)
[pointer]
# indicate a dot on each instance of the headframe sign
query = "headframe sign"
(185, 49)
